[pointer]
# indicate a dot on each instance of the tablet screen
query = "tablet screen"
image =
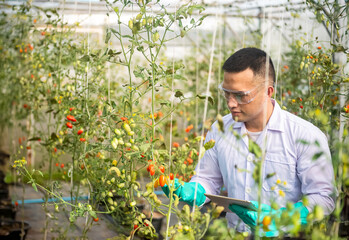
(226, 201)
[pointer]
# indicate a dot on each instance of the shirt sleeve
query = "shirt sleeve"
(207, 170)
(315, 171)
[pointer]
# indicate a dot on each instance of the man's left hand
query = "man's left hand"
(267, 230)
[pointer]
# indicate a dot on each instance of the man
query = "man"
(289, 171)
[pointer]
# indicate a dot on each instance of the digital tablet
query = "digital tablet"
(226, 201)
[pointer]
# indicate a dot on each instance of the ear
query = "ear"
(270, 91)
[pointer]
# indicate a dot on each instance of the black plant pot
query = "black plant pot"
(3, 191)
(7, 212)
(13, 230)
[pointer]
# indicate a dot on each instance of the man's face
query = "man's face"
(246, 81)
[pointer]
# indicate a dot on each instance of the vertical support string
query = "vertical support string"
(171, 126)
(279, 58)
(206, 104)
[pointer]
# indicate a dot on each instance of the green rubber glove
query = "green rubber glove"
(186, 192)
(250, 217)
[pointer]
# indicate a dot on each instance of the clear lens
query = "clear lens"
(239, 97)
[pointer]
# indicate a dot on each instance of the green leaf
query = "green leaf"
(54, 136)
(269, 175)
(40, 173)
(165, 103)
(210, 99)
(34, 186)
(144, 148)
(93, 214)
(112, 53)
(114, 31)
(317, 155)
(85, 58)
(179, 94)
(304, 142)
(34, 139)
(107, 37)
(180, 77)
(254, 148)
(113, 104)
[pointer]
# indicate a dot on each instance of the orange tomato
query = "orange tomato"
(162, 180)
(190, 161)
(266, 221)
(156, 183)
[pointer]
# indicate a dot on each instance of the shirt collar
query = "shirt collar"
(274, 123)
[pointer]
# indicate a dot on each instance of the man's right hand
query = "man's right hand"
(186, 192)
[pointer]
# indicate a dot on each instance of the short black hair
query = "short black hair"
(252, 58)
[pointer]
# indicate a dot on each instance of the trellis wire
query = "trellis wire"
(171, 128)
(206, 104)
(279, 57)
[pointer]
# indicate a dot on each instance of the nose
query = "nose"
(232, 103)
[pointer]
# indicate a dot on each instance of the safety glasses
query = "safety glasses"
(239, 96)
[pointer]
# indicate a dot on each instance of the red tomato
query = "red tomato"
(55, 149)
(96, 219)
(135, 226)
(152, 171)
(171, 176)
(150, 167)
(162, 180)
(16, 203)
(69, 125)
(71, 109)
(162, 169)
(71, 118)
(57, 164)
(124, 118)
(62, 165)
(82, 140)
(80, 131)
